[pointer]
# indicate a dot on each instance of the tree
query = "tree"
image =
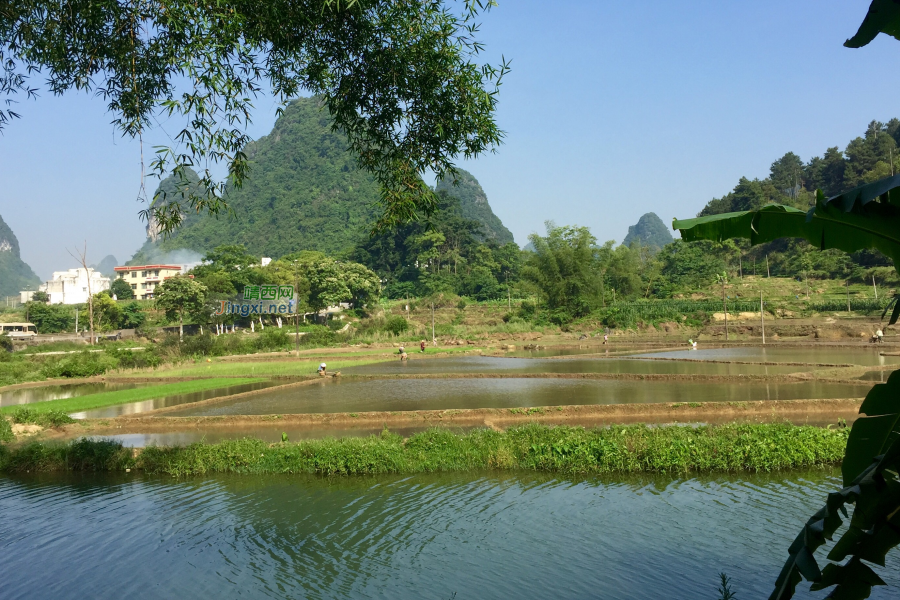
(121, 289)
(106, 311)
(50, 318)
(786, 174)
(178, 296)
(400, 79)
(40, 296)
(132, 316)
(565, 269)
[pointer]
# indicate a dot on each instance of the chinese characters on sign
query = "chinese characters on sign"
(268, 292)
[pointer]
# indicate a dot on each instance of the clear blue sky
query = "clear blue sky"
(613, 109)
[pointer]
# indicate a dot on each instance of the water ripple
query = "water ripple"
(428, 536)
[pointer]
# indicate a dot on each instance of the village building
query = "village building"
(72, 286)
(144, 278)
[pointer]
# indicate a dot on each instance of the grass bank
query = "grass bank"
(533, 447)
(112, 398)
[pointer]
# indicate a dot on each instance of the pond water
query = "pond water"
(438, 394)
(493, 364)
(474, 535)
(56, 392)
(823, 355)
(175, 400)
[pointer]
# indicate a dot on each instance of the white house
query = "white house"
(71, 287)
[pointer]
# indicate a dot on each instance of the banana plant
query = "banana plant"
(864, 217)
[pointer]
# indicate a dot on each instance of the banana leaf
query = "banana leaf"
(864, 217)
(883, 17)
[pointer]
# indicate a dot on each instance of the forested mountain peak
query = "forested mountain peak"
(474, 205)
(649, 231)
(9, 243)
(867, 158)
(305, 192)
(15, 275)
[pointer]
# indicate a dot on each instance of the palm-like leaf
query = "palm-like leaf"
(864, 217)
(883, 17)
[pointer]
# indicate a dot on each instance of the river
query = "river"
(440, 536)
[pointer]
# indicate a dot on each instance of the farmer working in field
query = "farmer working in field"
(321, 370)
(422, 345)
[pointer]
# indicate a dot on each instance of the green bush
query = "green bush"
(6, 343)
(48, 418)
(6, 434)
(82, 364)
(320, 336)
(272, 339)
(335, 324)
(396, 325)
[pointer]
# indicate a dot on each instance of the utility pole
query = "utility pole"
(762, 317)
(433, 339)
(725, 305)
(874, 287)
(76, 320)
(847, 285)
(741, 266)
(806, 275)
(768, 273)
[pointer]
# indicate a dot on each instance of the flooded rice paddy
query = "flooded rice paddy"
(824, 355)
(440, 536)
(172, 400)
(493, 364)
(438, 394)
(55, 392)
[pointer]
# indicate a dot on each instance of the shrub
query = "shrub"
(335, 324)
(527, 310)
(6, 434)
(320, 336)
(82, 364)
(48, 418)
(6, 343)
(461, 305)
(272, 338)
(396, 325)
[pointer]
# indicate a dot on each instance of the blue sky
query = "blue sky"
(613, 109)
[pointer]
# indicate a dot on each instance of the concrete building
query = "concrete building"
(144, 278)
(71, 287)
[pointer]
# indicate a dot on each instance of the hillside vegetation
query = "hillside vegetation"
(305, 192)
(15, 275)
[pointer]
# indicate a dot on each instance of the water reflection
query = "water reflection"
(165, 401)
(426, 536)
(824, 355)
(56, 392)
(493, 364)
(430, 394)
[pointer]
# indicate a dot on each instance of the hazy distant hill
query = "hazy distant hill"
(15, 275)
(304, 193)
(649, 231)
(474, 204)
(107, 266)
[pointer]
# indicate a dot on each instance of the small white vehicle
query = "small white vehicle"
(18, 330)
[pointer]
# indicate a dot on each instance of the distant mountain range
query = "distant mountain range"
(304, 192)
(15, 275)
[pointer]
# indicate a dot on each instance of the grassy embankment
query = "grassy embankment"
(112, 398)
(284, 367)
(617, 449)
